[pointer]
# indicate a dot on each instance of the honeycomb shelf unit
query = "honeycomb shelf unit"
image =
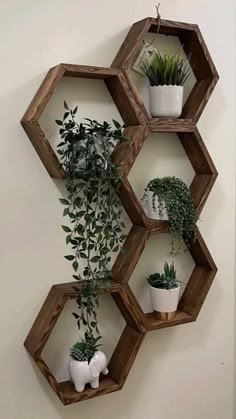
(140, 125)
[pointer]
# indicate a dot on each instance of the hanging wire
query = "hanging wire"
(158, 26)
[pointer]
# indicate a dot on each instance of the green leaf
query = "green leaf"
(64, 201)
(76, 316)
(66, 229)
(75, 265)
(66, 106)
(65, 212)
(95, 259)
(116, 123)
(58, 122)
(93, 324)
(75, 110)
(68, 239)
(65, 115)
(83, 255)
(69, 257)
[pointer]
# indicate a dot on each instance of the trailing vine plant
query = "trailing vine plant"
(174, 195)
(92, 207)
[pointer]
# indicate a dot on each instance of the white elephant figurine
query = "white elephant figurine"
(82, 372)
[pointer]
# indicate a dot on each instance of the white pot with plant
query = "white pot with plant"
(167, 74)
(164, 291)
(153, 207)
(86, 363)
(169, 198)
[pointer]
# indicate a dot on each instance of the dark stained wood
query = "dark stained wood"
(123, 357)
(130, 309)
(117, 86)
(201, 254)
(127, 259)
(133, 335)
(44, 322)
(133, 112)
(180, 318)
(197, 152)
(203, 165)
(198, 99)
(68, 395)
(194, 47)
(43, 148)
(132, 44)
(200, 280)
(125, 100)
(196, 291)
(200, 189)
(89, 72)
(44, 93)
(126, 153)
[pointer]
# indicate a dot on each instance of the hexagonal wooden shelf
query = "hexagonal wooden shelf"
(117, 86)
(195, 292)
(201, 63)
(197, 153)
(124, 353)
(134, 114)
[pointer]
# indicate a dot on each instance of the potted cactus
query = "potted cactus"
(167, 74)
(87, 362)
(164, 291)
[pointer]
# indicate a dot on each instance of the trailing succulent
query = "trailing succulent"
(166, 280)
(174, 194)
(94, 212)
(85, 350)
(166, 69)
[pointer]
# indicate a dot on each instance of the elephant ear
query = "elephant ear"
(94, 371)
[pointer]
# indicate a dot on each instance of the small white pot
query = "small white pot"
(166, 101)
(150, 211)
(82, 372)
(164, 301)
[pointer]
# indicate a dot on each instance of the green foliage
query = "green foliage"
(85, 350)
(92, 207)
(166, 280)
(166, 69)
(175, 195)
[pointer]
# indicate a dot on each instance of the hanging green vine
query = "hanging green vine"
(174, 194)
(95, 227)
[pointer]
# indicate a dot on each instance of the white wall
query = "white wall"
(180, 373)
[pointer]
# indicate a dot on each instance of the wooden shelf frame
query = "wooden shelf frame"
(195, 292)
(201, 63)
(196, 152)
(123, 355)
(114, 81)
(133, 113)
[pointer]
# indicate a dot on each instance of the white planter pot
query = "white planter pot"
(166, 101)
(150, 211)
(82, 372)
(164, 301)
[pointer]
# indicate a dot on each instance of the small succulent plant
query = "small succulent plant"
(166, 280)
(85, 350)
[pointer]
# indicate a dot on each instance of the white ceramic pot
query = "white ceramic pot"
(150, 211)
(82, 372)
(164, 301)
(166, 101)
